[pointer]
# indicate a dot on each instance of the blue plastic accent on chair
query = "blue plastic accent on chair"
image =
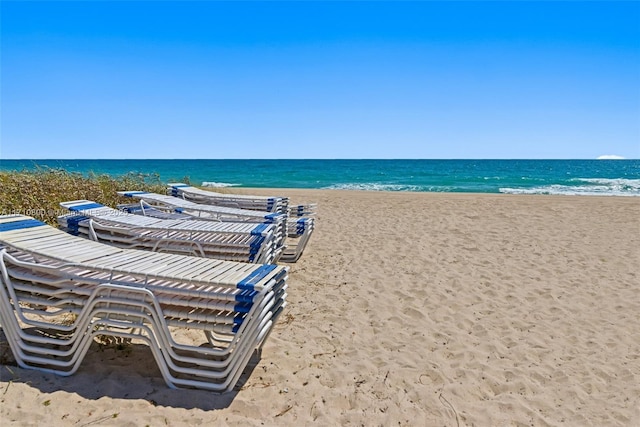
(242, 308)
(238, 319)
(18, 225)
(133, 193)
(86, 206)
(246, 296)
(73, 223)
(250, 281)
(256, 244)
(259, 229)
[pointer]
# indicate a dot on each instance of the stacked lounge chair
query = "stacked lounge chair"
(241, 201)
(298, 229)
(58, 291)
(243, 242)
(299, 225)
(209, 212)
(145, 209)
(298, 233)
(308, 209)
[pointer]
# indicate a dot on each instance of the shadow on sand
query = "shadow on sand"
(119, 372)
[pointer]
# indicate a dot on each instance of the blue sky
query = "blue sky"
(319, 79)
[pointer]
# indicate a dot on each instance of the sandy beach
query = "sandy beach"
(408, 309)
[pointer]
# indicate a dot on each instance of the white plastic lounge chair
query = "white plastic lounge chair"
(219, 213)
(298, 233)
(209, 212)
(259, 203)
(47, 276)
(145, 209)
(299, 229)
(244, 242)
(303, 210)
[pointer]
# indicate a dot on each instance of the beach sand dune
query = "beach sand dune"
(410, 309)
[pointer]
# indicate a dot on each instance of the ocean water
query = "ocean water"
(568, 177)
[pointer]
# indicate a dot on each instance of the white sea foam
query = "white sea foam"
(615, 182)
(590, 187)
(218, 184)
(385, 187)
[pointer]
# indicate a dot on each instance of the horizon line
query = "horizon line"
(606, 157)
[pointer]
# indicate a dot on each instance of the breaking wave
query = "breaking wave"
(371, 186)
(219, 184)
(585, 187)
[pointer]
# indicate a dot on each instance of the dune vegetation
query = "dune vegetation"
(38, 193)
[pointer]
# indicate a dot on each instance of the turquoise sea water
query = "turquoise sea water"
(571, 177)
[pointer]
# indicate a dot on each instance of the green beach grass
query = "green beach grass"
(38, 193)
